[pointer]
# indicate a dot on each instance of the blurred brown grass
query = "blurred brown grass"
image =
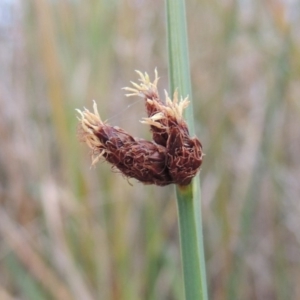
(71, 232)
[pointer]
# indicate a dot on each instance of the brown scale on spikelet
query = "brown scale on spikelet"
(173, 157)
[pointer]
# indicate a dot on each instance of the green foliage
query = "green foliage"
(188, 198)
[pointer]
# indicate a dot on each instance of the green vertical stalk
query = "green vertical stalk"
(188, 198)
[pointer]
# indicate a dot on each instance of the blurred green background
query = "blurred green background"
(68, 231)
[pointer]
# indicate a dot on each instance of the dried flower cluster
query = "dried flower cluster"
(172, 157)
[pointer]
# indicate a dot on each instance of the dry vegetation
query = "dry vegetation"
(71, 232)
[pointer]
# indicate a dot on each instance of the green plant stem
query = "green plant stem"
(188, 198)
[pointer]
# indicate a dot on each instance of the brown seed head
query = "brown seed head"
(173, 157)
